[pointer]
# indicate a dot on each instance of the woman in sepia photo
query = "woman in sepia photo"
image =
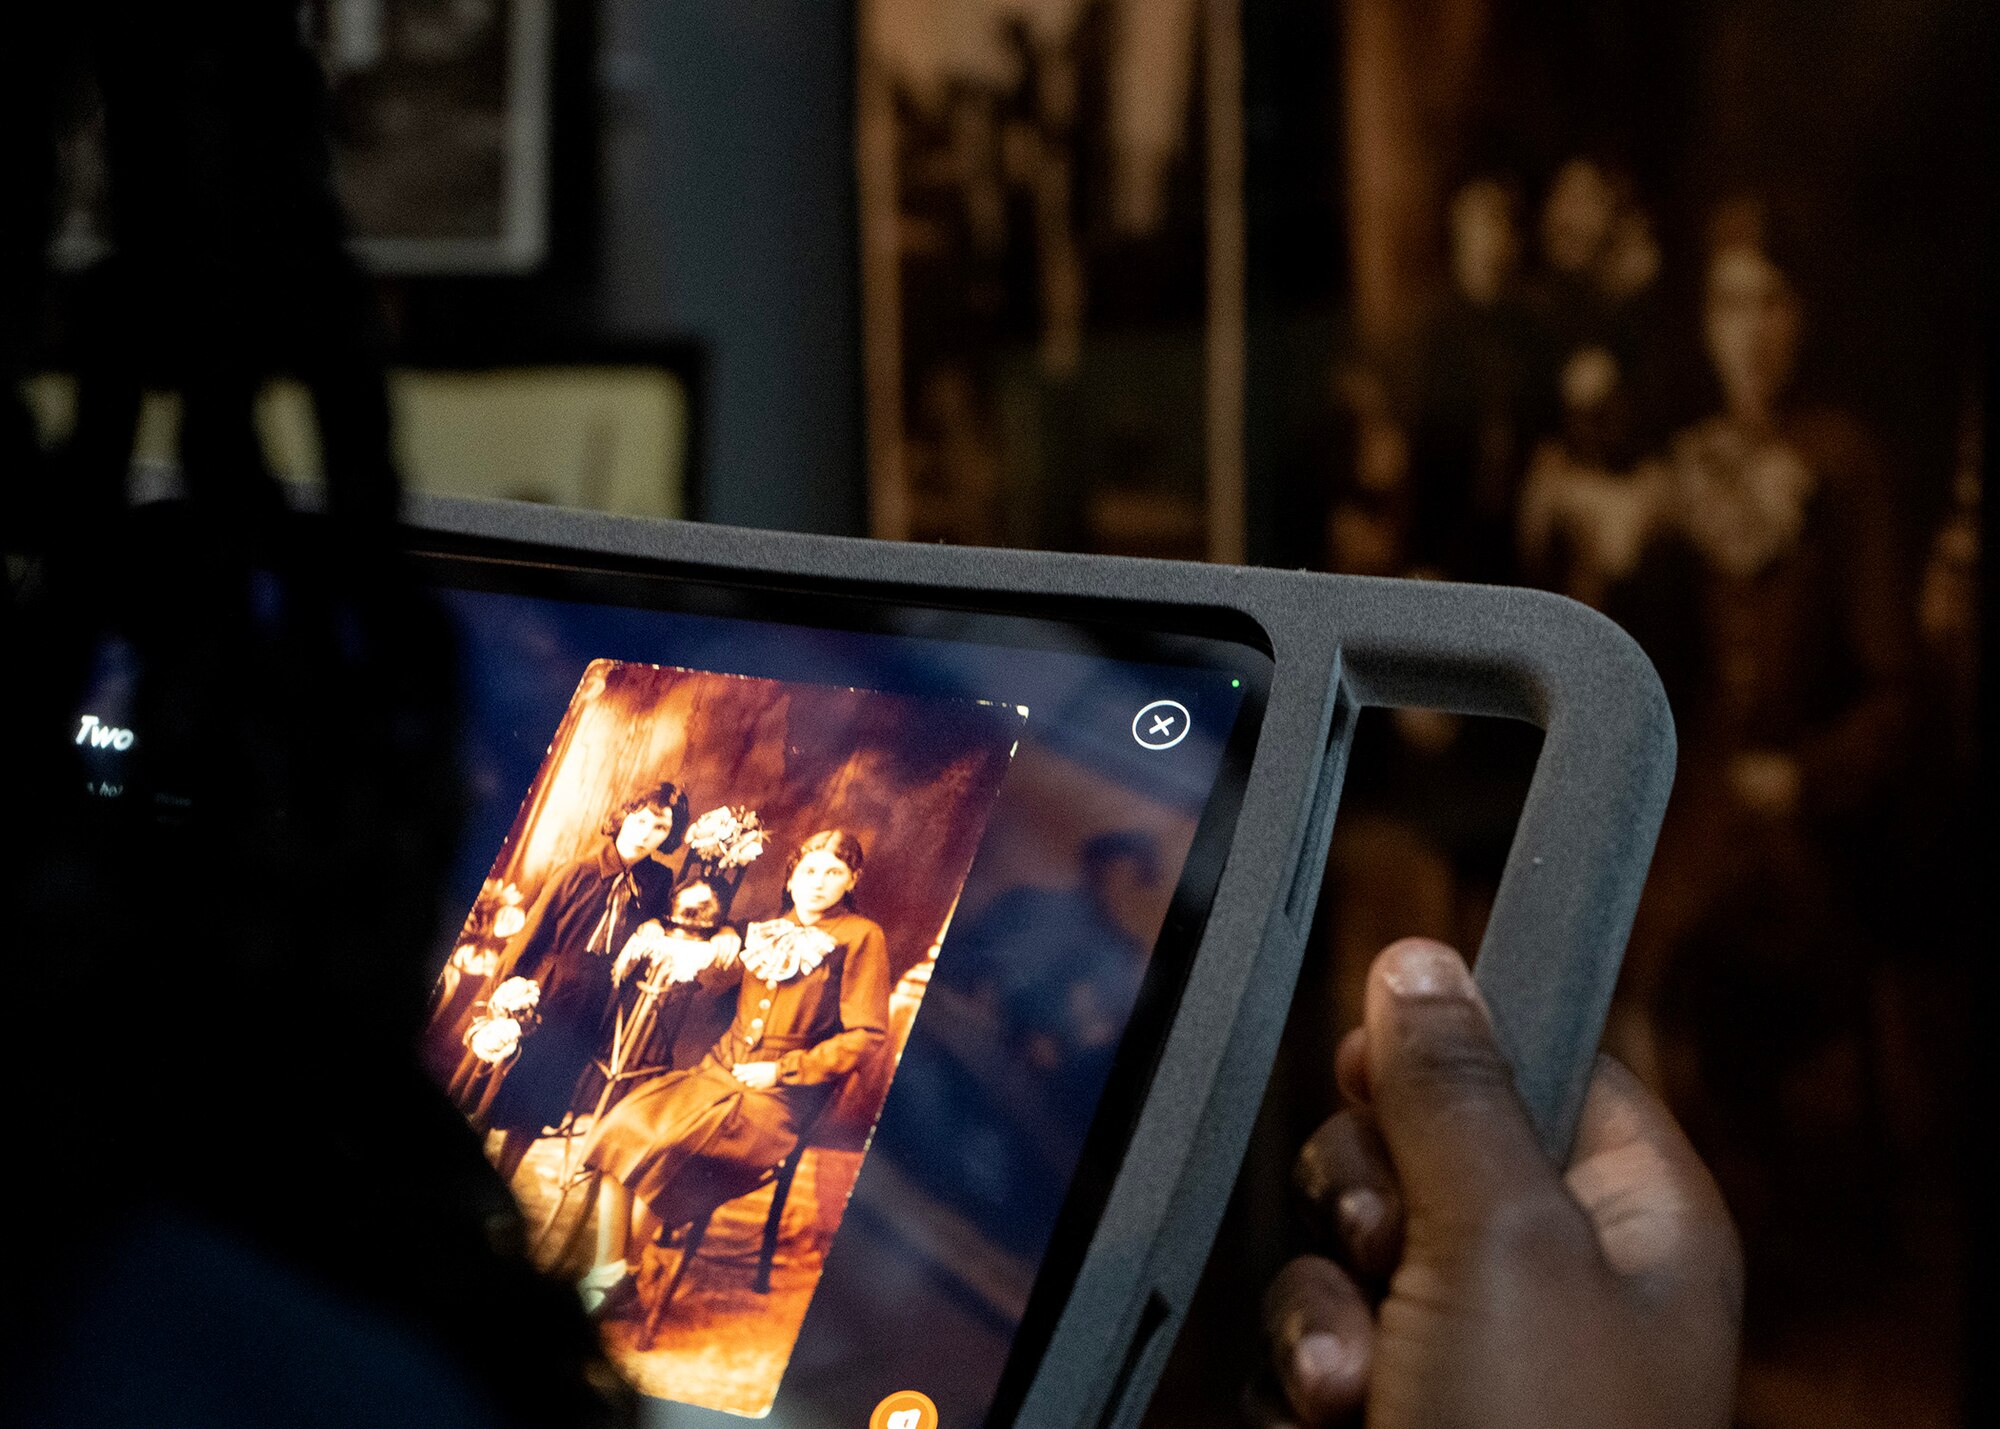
(812, 1004)
(1794, 675)
(582, 919)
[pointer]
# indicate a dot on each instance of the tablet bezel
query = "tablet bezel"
(1553, 944)
(1145, 634)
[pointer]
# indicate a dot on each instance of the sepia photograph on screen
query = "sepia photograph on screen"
(676, 1005)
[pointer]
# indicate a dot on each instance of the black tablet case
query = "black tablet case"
(1558, 928)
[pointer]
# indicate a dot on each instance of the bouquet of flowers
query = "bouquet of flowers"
(495, 1036)
(727, 837)
(494, 1040)
(476, 959)
(511, 918)
(496, 913)
(517, 997)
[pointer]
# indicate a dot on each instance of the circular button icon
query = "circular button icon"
(905, 1409)
(1161, 725)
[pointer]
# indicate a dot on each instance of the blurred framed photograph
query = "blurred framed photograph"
(1051, 213)
(440, 120)
(439, 116)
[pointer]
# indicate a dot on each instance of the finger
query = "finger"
(1464, 1153)
(1659, 1217)
(1350, 1066)
(1263, 1403)
(1348, 1192)
(1321, 1337)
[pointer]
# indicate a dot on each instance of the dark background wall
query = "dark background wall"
(701, 213)
(729, 218)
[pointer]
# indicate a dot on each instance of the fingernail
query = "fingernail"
(1361, 1211)
(1418, 969)
(1319, 1359)
(1311, 1178)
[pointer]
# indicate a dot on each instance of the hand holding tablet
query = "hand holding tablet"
(1467, 1282)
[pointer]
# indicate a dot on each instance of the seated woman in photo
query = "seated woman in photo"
(812, 1004)
(586, 912)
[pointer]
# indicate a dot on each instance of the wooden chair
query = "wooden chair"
(869, 1085)
(653, 1021)
(697, 1231)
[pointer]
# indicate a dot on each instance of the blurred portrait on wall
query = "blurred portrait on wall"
(1035, 195)
(1672, 310)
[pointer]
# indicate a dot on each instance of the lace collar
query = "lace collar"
(780, 949)
(1742, 501)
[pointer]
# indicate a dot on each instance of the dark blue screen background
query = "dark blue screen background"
(925, 1284)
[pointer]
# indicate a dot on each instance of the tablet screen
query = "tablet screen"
(816, 951)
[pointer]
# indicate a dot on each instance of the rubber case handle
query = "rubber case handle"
(1553, 946)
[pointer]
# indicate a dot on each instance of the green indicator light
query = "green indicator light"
(1235, 684)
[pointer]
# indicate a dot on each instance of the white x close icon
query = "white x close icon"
(1161, 725)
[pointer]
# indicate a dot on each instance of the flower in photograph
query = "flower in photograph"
(516, 997)
(494, 1040)
(474, 960)
(729, 836)
(497, 912)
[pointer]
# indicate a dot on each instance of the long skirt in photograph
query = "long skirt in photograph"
(688, 1142)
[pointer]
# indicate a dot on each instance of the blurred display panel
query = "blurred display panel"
(1040, 292)
(605, 438)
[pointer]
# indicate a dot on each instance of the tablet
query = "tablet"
(872, 955)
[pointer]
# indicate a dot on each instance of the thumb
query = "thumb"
(1445, 1103)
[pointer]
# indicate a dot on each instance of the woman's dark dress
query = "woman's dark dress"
(583, 917)
(1752, 956)
(691, 1140)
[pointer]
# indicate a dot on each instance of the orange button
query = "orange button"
(905, 1409)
